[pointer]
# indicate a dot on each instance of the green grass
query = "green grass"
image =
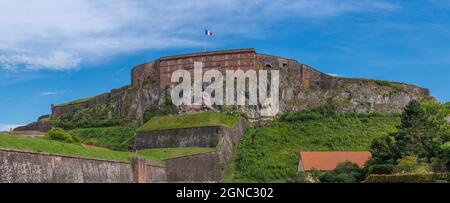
(271, 153)
(115, 138)
(167, 153)
(76, 101)
(55, 147)
(79, 100)
(60, 148)
(189, 121)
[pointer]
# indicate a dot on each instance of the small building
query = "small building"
(327, 161)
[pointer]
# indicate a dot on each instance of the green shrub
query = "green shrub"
(445, 150)
(407, 164)
(300, 177)
(313, 114)
(118, 138)
(346, 172)
(59, 134)
(423, 168)
(345, 178)
(409, 178)
(439, 165)
(327, 178)
(381, 169)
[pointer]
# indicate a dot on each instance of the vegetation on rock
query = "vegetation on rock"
(91, 118)
(166, 109)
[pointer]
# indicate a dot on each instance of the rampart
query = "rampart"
(301, 87)
(207, 167)
(32, 167)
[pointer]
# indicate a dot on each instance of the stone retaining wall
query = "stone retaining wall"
(207, 167)
(208, 136)
(31, 167)
(174, 138)
(204, 167)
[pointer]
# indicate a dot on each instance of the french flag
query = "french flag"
(208, 33)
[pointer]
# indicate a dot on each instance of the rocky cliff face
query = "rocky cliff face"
(301, 87)
(349, 95)
(43, 124)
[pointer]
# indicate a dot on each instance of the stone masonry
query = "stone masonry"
(301, 87)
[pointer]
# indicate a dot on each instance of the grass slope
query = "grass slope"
(76, 101)
(80, 100)
(114, 138)
(60, 148)
(271, 153)
(189, 121)
(167, 153)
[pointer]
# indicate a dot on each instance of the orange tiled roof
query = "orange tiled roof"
(326, 161)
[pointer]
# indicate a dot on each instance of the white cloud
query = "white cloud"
(60, 35)
(52, 93)
(52, 61)
(7, 127)
(333, 74)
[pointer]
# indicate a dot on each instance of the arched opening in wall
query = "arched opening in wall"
(268, 66)
(285, 65)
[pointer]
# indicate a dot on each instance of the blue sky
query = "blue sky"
(55, 51)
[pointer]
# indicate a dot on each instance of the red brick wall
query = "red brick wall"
(224, 60)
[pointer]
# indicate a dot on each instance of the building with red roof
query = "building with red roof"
(327, 161)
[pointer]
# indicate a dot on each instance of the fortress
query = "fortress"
(301, 87)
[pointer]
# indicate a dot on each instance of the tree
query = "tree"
(382, 150)
(423, 130)
(412, 137)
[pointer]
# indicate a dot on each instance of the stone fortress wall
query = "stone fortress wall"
(33, 167)
(301, 87)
